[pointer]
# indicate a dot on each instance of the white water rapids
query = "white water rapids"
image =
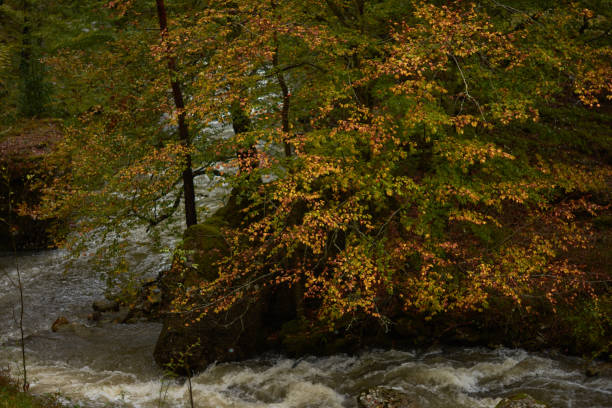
(112, 364)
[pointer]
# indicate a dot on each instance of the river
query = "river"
(112, 364)
(101, 365)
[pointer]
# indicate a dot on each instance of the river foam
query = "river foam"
(446, 378)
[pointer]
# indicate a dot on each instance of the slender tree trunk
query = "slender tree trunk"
(26, 385)
(284, 90)
(286, 102)
(190, 208)
(27, 102)
(240, 120)
(191, 404)
(298, 288)
(26, 42)
(19, 285)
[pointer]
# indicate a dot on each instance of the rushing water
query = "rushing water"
(100, 365)
(112, 364)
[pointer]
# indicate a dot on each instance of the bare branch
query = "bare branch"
(466, 91)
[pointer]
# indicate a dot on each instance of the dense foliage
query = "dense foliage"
(423, 171)
(419, 156)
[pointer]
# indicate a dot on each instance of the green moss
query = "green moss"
(205, 245)
(590, 326)
(206, 235)
(518, 397)
(232, 212)
(10, 397)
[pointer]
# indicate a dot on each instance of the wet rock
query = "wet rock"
(228, 336)
(190, 341)
(105, 305)
(62, 325)
(381, 397)
(123, 315)
(248, 328)
(300, 337)
(520, 401)
(59, 323)
(591, 371)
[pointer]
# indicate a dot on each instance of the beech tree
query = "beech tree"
(425, 154)
(418, 178)
(177, 94)
(131, 144)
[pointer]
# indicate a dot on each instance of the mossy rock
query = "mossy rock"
(205, 245)
(521, 401)
(206, 235)
(235, 334)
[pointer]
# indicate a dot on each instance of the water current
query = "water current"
(111, 365)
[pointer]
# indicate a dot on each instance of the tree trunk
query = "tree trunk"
(190, 208)
(284, 90)
(26, 45)
(298, 288)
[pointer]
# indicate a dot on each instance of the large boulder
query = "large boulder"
(204, 244)
(186, 344)
(190, 341)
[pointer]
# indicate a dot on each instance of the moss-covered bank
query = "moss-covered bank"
(12, 396)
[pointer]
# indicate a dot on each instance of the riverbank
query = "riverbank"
(24, 173)
(12, 396)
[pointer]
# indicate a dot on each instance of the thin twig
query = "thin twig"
(515, 10)
(466, 91)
